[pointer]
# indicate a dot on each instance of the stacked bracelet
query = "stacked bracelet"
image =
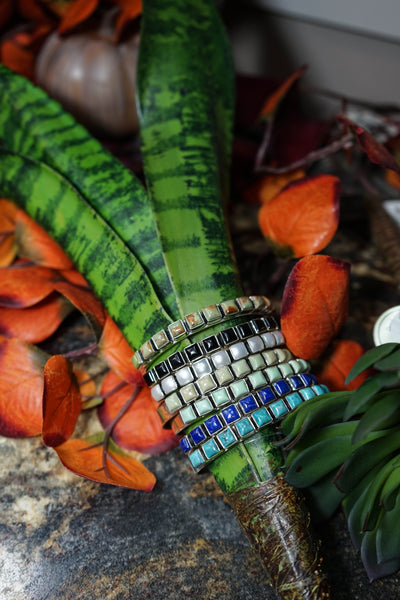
(237, 421)
(196, 322)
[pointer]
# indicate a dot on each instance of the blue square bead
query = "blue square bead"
(306, 377)
(185, 444)
(226, 438)
(307, 393)
(197, 435)
(230, 414)
(266, 395)
(296, 382)
(281, 387)
(210, 448)
(196, 459)
(248, 404)
(294, 400)
(213, 424)
(261, 417)
(318, 389)
(244, 426)
(278, 408)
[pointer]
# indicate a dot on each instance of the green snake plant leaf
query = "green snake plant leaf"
(31, 124)
(185, 92)
(98, 253)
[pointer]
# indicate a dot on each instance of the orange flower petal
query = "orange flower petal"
(37, 246)
(8, 247)
(21, 388)
(35, 323)
(62, 402)
(303, 217)
(22, 285)
(338, 364)
(140, 427)
(269, 186)
(116, 351)
(17, 58)
(82, 458)
(314, 304)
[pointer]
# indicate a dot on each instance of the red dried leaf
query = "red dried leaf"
(18, 51)
(87, 384)
(116, 351)
(314, 304)
(85, 301)
(62, 402)
(21, 388)
(269, 186)
(8, 247)
(376, 152)
(22, 285)
(131, 9)
(85, 459)
(140, 427)
(303, 217)
(277, 95)
(337, 366)
(37, 246)
(35, 323)
(77, 12)
(75, 277)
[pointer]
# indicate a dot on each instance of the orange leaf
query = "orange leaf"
(85, 301)
(303, 217)
(87, 384)
(118, 354)
(35, 323)
(376, 153)
(37, 246)
(22, 285)
(77, 12)
(62, 402)
(75, 277)
(8, 247)
(140, 427)
(21, 388)
(393, 178)
(17, 58)
(314, 304)
(269, 186)
(338, 364)
(277, 96)
(82, 458)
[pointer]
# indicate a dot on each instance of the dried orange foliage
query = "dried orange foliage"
(303, 217)
(338, 364)
(8, 248)
(140, 427)
(24, 285)
(85, 459)
(314, 304)
(274, 99)
(269, 186)
(62, 402)
(116, 351)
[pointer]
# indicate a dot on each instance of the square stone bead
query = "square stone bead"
(202, 367)
(226, 438)
(160, 339)
(268, 339)
(206, 383)
(229, 307)
(244, 427)
(244, 303)
(281, 387)
(184, 376)
(239, 388)
(188, 415)
(221, 397)
(285, 369)
(210, 448)
(279, 337)
(189, 393)
(197, 435)
(278, 408)
(194, 320)
(203, 406)
(272, 374)
(261, 417)
(177, 329)
(283, 355)
(212, 313)
(270, 357)
(256, 362)
(266, 395)
(307, 393)
(213, 424)
(230, 414)
(248, 404)
(169, 384)
(257, 380)
(255, 343)
(147, 350)
(220, 359)
(241, 368)
(296, 366)
(196, 458)
(295, 382)
(185, 444)
(294, 400)
(173, 403)
(304, 364)
(223, 375)
(258, 301)
(157, 393)
(238, 351)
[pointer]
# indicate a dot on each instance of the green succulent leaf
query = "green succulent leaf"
(375, 567)
(388, 535)
(369, 358)
(382, 414)
(323, 497)
(365, 394)
(391, 487)
(390, 362)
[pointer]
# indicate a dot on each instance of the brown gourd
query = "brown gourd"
(93, 77)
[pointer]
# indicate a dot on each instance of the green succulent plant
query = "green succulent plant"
(343, 449)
